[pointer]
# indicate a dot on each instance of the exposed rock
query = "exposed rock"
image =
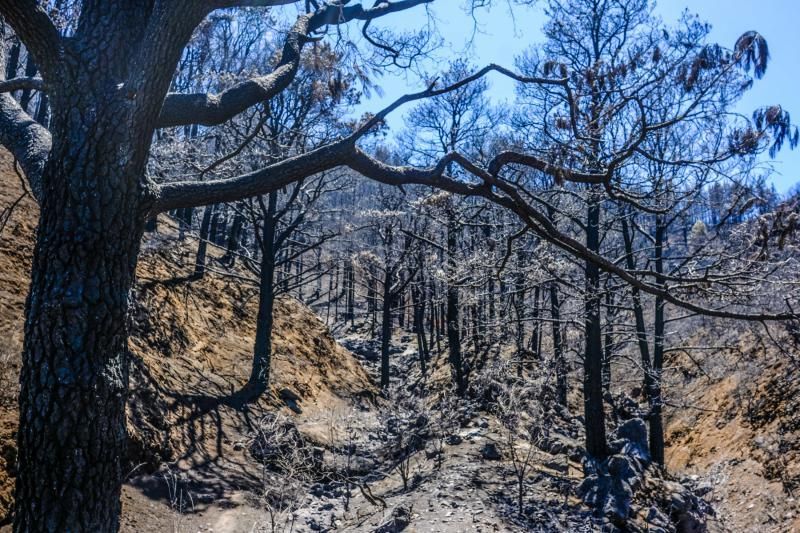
(490, 452)
(687, 511)
(290, 398)
(557, 465)
(703, 488)
(610, 486)
(631, 439)
(453, 440)
(656, 518)
(401, 518)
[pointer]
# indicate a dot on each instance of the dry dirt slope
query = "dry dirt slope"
(734, 425)
(191, 348)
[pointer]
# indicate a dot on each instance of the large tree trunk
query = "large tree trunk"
(74, 378)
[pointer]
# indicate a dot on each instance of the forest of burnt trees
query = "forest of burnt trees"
(569, 233)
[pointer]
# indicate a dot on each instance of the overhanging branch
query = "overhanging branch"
(17, 84)
(32, 24)
(27, 140)
(212, 109)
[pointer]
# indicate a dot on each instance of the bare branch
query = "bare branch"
(212, 109)
(560, 174)
(17, 84)
(540, 224)
(273, 177)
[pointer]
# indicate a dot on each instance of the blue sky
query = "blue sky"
(499, 37)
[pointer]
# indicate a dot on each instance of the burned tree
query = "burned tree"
(108, 87)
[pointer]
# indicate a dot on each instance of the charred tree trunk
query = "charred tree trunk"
(372, 300)
(202, 245)
(234, 240)
(558, 346)
(338, 295)
(349, 291)
(213, 231)
(43, 110)
(594, 414)
(386, 327)
(262, 350)
(656, 420)
(519, 310)
(537, 325)
(184, 217)
(418, 304)
(608, 343)
(652, 367)
(453, 316)
(74, 379)
(434, 319)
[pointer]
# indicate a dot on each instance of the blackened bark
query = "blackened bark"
(151, 226)
(386, 327)
(594, 414)
(655, 395)
(372, 300)
(213, 230)
(401, 310)
(433, 330)
(338, 294)
(638, 310)
(558, 346)
(74, 378)
(202, 245)
(234, 240)
(43, 110)
(351, 292)
(537, 325)
(608, 343)
(262, 350)
(652, 367)
(452, 315)
(95, 198)
(418, 303)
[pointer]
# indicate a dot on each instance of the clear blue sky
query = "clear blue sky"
(499, 38)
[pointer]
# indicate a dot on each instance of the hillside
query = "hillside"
(191, 347)
(733, 439)
(734, 426)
